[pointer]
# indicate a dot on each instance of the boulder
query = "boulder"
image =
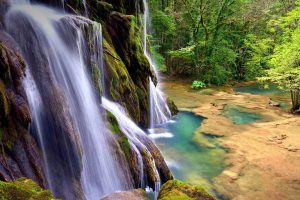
(137, 194)
(175, 189)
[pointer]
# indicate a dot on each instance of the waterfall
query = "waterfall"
(159, 110)
(135, 135)
(67, 119)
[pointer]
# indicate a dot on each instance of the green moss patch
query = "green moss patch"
(23, 189)
(114, 125)
(178, 190)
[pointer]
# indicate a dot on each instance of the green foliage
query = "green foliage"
(186, 53)
(284, 62)
(220, 40)
(158, 58)
(198, 84)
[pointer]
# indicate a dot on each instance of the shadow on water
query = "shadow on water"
(188, 159)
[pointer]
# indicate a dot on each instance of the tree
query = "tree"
(285, 61)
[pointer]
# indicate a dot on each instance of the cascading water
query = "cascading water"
(135, 136)
(159, 110)
(67, 119)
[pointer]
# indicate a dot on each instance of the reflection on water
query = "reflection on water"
(188, 160)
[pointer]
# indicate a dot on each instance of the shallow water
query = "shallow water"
(239, 115)
(258, 89)
(276, 94)
(187, 159)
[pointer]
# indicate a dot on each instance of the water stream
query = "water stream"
(67, 119)
(159, 110)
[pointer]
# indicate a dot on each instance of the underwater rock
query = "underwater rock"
(136, 194)
(176, 189)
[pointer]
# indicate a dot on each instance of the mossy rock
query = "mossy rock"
(4, 106)
(120, 87)
(173, 108)
(178, 190)
(23, 189)
(126, 6)
(121, 137)
(114, 125)
(100, 10)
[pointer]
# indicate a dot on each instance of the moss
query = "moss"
(96, 78)
(120, 86)
(4, 106)
(122, 139)
(114, 125)
(173, 108)
(23, 189)
(125, 145)
(178, 190)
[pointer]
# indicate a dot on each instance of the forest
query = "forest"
(220, 41)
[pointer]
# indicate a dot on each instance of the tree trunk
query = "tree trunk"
(295, 99)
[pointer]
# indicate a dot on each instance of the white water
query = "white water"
(55, 51)
(159, 110)
(134, 134)
(161, 135)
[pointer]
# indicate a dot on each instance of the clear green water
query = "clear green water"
(260, 90)
(187, 159)
(239, 115)
(280, 96)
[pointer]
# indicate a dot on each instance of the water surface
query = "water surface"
(276, 94)
(189, 160)
(239, 115)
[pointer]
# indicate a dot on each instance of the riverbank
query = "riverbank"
(263, 160)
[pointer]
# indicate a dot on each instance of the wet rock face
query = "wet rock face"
(20, 155)
(129, 7)
(122, 34)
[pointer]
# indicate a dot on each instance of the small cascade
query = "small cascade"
(159, 110)
(135, 135)
(67, 119)
(85, 8)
